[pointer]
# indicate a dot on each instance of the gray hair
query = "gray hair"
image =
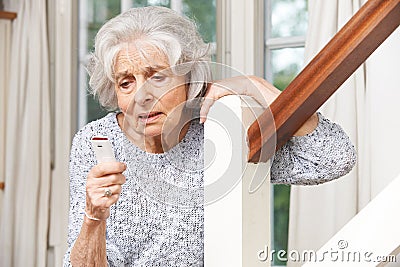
(175, 36)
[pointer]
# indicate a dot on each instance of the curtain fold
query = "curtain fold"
(365, 106)
(24, 220)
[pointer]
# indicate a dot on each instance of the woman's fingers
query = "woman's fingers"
(214, 92)
(101, 199)
(106, 168)
(106, 180)
(105, 191)
(205, 108)
(259, 89)
(103, 187)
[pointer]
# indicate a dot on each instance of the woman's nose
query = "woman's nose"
(143, 93)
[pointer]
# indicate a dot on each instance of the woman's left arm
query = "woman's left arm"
(321, 156)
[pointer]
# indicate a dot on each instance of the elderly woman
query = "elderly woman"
(150, 64)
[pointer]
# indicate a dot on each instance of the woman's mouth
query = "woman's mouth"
(150, 117)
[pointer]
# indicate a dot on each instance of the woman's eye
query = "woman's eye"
(125, 84)
(158, 78)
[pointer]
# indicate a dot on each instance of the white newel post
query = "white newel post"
(237, 221)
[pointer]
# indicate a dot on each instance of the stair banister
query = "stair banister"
(340, 58)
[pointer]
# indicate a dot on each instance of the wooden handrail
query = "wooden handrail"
(7, 15)
(340, 58)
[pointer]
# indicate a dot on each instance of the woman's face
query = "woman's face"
(149, 94)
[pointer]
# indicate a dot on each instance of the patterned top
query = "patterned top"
(158, 219)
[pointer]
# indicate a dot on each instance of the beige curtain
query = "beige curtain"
(24, 219)
(366, 107)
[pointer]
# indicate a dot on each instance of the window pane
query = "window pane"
(286, 64)
(98, 12)
(281, 219)
(141, 3)
(289, 18)
(93, 14)
(94, 109)
(204, 13)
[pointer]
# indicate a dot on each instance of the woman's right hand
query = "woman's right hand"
(107, 175)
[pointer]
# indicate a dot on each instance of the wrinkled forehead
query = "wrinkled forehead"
(140, 58)
(145, 58)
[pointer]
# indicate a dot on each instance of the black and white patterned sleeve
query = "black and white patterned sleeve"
(82, 159)
(321, 156)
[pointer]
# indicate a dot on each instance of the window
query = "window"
(94, 13)
(286, 24)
